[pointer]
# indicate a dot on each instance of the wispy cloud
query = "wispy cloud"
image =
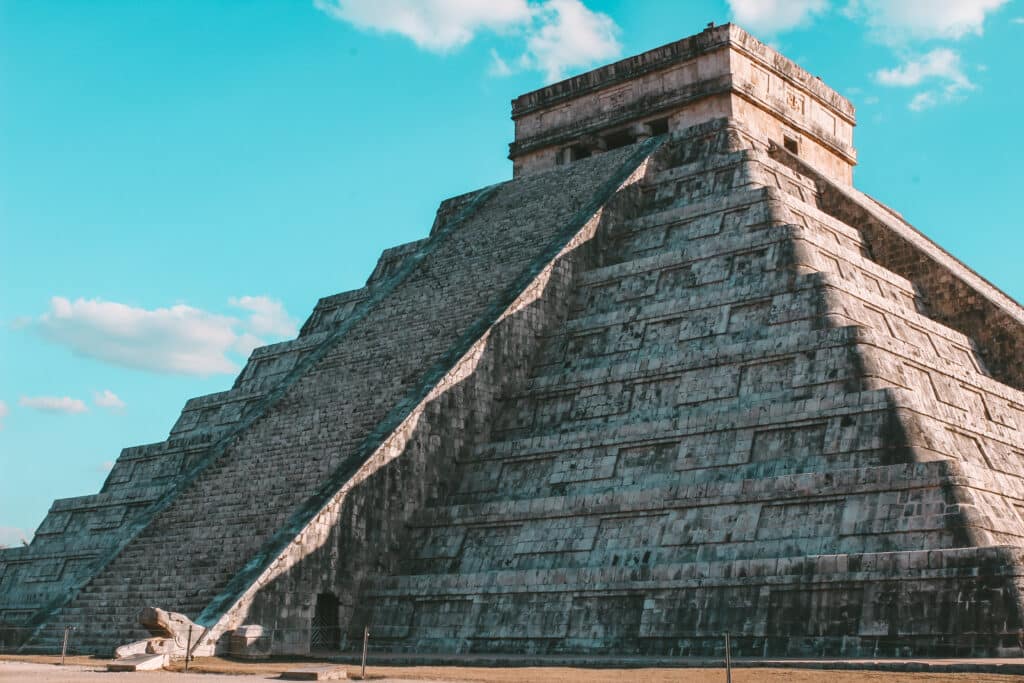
(558, 35)
(109, 400)
(499, 67)
(179, 339)
(567, 35)
(774, 16)
(435, 25)
(940, 63)
(54, 404)
(268, 316)
(12, 536)
(941, 66)
(897, 22)
(1017, 20)
(923, 100)
(3, 413)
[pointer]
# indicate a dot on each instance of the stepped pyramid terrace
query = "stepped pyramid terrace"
(676, 378)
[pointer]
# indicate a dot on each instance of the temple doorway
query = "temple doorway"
(325, 633)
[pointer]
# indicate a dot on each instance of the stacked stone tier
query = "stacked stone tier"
(718, 411)
(722, 436)
(214, 525)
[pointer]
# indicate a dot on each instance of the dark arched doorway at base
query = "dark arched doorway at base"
(325, 634)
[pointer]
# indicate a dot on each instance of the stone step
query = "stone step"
(650, 404)
(708, 258)
(141, 662)
(642, 549)
(601, 471)
(681, 279)
(706, 309)
(650, 340)
(822, 346)
(881, 508)
(652, 215)
(684, 495)
(693, 422)
(806, 571)
(709, 164)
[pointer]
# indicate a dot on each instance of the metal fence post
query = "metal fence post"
(64, 646)
(728, 659)
(188, 648)
(366, 640)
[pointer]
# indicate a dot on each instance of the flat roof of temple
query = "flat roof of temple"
(712, 38)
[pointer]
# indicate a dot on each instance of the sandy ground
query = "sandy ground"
(214, 670)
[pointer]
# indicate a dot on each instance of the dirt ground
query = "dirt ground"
(215, 669)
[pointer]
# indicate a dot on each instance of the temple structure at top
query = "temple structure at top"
(723, 72)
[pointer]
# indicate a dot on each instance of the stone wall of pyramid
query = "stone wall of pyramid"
(746, 424)
(78, 535)
(298, 425)
(652, 390)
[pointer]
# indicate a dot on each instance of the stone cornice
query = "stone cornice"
(666, 56)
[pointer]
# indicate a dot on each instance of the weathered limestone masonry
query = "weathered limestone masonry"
(722, 72)
(337, 404)
(677, 378)
(736, 430)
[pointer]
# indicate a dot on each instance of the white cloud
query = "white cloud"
(3, 413)
(940, 66)
(54, 404)
(106, 466)
(569, 36)
(1017, 20)
(12, 536)
(245, 344)
(108, 399)
(773, 16)
(559, 35)
(268, 316)
(899, 21)
(923, 100)
(179, 339)
(499, 67)
(941, 63)
(435, 25)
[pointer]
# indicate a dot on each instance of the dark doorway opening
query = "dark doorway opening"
(577, 152)
(325, 633)
(790, 144)
(619, 139)
(658, 126)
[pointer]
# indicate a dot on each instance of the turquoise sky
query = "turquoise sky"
(182, 180)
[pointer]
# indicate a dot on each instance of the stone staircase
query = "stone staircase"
(743, 422)
(707, 417)
(334, 398)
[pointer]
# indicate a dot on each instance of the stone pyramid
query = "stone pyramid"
(676, 378)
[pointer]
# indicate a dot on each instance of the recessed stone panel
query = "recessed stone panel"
(599, 622)
(799, 520)
(800, 441)
(763, 378)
